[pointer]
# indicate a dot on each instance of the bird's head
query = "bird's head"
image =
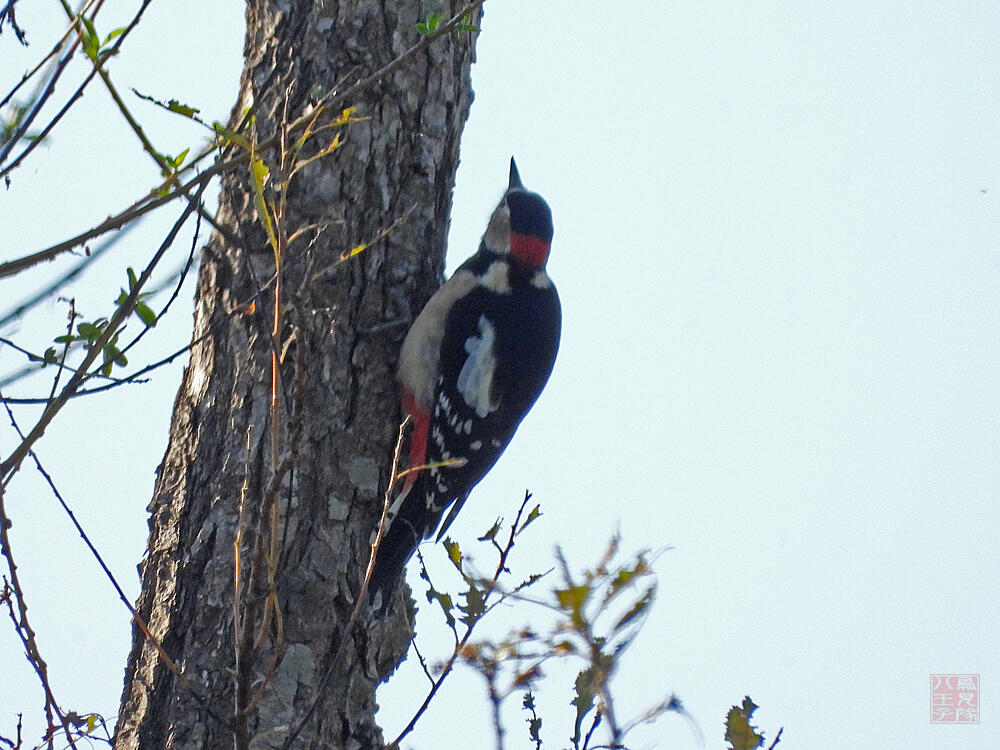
(521, 226)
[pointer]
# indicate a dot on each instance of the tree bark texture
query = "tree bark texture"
(344, 323)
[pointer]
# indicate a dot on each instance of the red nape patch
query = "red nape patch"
(531, 251)
(418, 436)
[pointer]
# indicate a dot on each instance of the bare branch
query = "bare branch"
(22, 129)
(123, 311)
(46, 293)
(15, 594)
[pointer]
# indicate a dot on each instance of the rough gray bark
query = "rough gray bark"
(348, 324)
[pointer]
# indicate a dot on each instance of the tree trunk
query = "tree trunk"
(345, 323)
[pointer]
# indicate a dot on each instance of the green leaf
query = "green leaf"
(740, 734)
(571, 599)
(91, 42)
(640, 606)
(259, 173)
(346, 116)
(232, 135)
(182, 109)
(466, 24)
(179, 159)
(475, 605)
(133, 280)
(454, 552)
(491, 534)
(625, 576)
(145, 313)
(51, 356)
(444, 600)
(430, 24)
(112, 354)
(113, 35)
(536, 512)
(89, 331)
(356, 250)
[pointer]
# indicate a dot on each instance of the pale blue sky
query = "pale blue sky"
(776, 242)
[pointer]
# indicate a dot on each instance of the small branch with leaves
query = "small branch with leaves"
(479, 598)
(597, 616)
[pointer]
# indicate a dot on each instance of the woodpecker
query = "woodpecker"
(471, 366)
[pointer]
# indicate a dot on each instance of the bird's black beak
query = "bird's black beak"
(515, 178)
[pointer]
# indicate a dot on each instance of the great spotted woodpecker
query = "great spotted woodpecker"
(471, 366)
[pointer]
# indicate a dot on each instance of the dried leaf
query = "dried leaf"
(740, 734)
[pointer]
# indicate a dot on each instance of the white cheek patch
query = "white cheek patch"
(497, 237)
(475, 381)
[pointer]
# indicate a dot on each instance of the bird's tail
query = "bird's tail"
(398, 543)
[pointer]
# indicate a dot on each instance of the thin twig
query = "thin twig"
(41, 63)
(141, 207)
(39, 98)
(495, 702)
(46, 292)
(76, 95)
(32, 357)
(177, 287)
(132, 379)
(421, 659)
(470, 626)
(7, 14)
(23, 627)
(241, 732)
(65, 351)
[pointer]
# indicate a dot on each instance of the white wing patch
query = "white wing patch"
(418, 359)
(475, 381)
